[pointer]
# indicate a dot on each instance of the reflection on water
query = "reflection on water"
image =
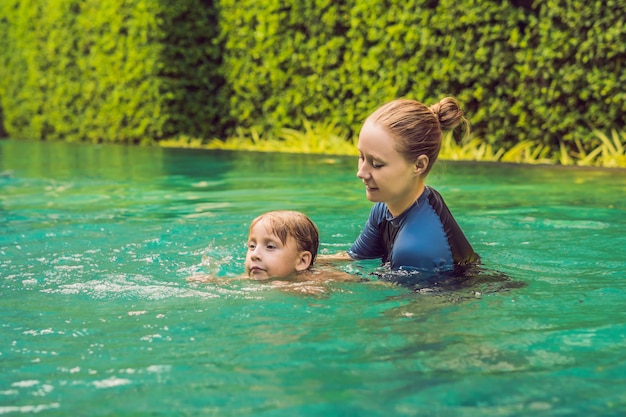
(475, 280)
(96, 243)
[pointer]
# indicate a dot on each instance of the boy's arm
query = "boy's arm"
(209, 278)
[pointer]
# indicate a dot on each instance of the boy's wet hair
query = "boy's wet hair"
(284, 223)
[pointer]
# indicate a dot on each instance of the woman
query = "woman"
(410, 226)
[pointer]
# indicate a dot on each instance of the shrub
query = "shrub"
(571, 75)
(281, 59)
(539, 72)
(543, 73)
(119, 71)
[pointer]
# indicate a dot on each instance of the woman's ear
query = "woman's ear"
(421, 164)
(304, 261)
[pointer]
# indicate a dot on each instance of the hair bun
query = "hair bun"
(449, 113)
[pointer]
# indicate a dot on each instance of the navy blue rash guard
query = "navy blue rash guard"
(425, 237)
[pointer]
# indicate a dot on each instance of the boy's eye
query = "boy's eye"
(251, 246)
(271, 246)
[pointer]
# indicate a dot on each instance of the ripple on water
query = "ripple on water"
(146, 288)
(28, 409)
(115, 286)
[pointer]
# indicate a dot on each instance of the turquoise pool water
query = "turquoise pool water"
(98, 319)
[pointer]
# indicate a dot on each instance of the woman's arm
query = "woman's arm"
(339, 256)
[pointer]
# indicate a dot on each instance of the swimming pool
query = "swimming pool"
(98, 319)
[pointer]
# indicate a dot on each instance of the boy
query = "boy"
(282, 247)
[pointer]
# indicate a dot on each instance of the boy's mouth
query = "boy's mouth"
(255, 270)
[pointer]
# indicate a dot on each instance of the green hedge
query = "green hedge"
(339, 60)
(118, 71)
(523, 71)
(282, 60)
(571, 71)
(3, 133)
(138, 70)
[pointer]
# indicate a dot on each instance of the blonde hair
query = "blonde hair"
(284, 223)
(418, 129)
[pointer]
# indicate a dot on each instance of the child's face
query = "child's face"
(268, 257)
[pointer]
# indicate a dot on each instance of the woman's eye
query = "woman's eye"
(372, 162)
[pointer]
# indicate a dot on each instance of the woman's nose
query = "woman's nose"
(362, 172)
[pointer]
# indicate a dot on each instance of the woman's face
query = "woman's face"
(387, 175)
(268, 257)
